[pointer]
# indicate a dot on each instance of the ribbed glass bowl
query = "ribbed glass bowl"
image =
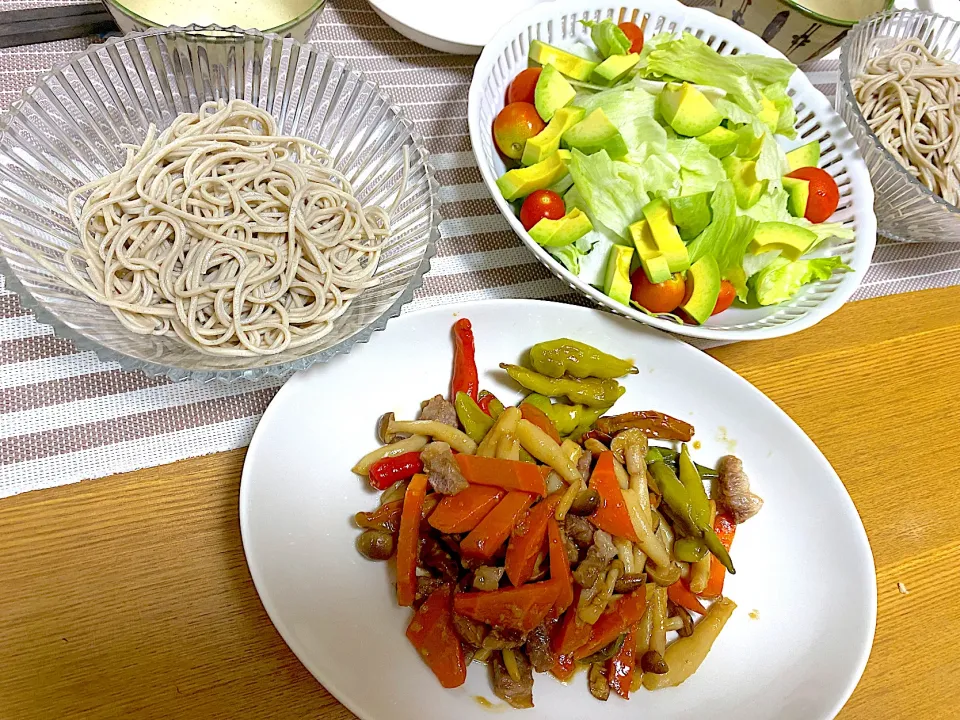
(70, 129)
(906, 209)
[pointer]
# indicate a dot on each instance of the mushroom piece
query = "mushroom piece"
(734, 490)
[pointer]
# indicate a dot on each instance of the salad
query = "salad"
(551, 537)
(651, 169)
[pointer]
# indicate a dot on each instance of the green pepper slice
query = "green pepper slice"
(557, 358)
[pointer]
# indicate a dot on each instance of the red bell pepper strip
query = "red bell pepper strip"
(484, 399)
(621, 666)
(572, 632)
(408, 541)
(527, 541)
(680, 595)
(462, 512)
(506, 474)
(385, 472)
(539, 418)
(624, 614)
(515, 608)
(487, 537)
(465, 377)
(564, 668)
(432, 633)
(725, 528)
(559, 567)
(612, 514)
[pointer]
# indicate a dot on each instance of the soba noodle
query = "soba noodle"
(911, 100)
(223, 233)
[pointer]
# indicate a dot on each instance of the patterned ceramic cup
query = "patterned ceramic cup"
(791, 28)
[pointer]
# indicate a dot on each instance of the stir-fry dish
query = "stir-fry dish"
(551, 537)
(650, 168)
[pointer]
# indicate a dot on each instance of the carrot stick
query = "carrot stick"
(527, 541)
(539, 418)
(559, 567)
(409, 540)
(506, 474)
(612, 515)
(516, 608)
(487, 537)
(462, 512)
(432, 633)
(680, 595)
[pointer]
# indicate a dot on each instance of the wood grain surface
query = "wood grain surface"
(129, 597)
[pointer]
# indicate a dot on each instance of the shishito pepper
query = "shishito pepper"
(565, 418)
(556, 358)
(682, 505)
(489, 404)
(476, 423)
(690, 478)
(587, 391)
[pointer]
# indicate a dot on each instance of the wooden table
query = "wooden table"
(129, 597)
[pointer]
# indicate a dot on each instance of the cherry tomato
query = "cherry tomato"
(727, 295)
(634, 35)
(824, 194)
(523, 86)
(514, 125)
(541, 204)
(660, 297)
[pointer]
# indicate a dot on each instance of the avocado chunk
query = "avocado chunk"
(557, 233)
(616, 281)
(804, 156)
(547, 141)
(691, 213)
(552, 92)
(569, 64)
(747, 188)
(595, 133)
(791, 240)
(651, 259)
(720, 140)
(665, 234)
(687, 110)
(768, 115)
(748, 143)
(520, 182)
(614, 68)
(704, 277)
(798, 193)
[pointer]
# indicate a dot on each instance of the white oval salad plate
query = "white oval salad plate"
(805, 585)
(810, 300)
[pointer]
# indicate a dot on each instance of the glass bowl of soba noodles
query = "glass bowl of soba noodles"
(899, 93)
(220, 208)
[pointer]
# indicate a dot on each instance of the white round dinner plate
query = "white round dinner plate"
(453, 26)
(805, 585)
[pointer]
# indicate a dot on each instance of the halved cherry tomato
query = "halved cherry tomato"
(727, 295)
(824, 193)
(634, 35)
(514, 125)
(541, 204)
(660, 297)
(523, 86)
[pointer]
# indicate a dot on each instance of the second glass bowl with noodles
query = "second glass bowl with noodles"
(213, 208)
(891, 64)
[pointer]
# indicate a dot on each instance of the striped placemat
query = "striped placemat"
(65, 416)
